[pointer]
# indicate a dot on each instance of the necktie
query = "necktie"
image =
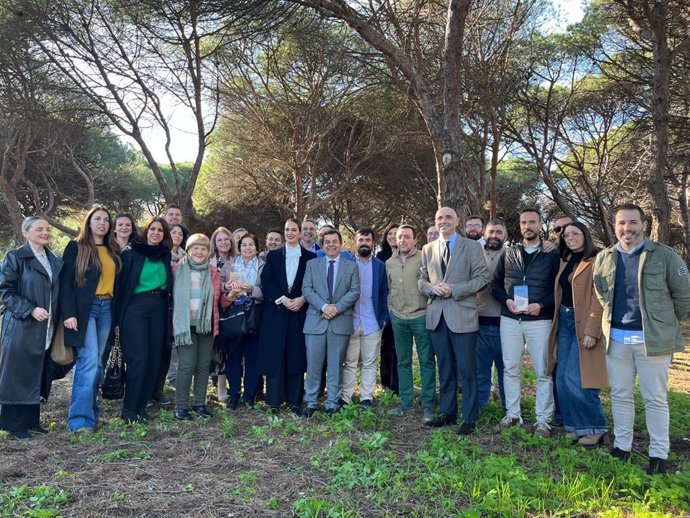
(445, 259)
(331, 271)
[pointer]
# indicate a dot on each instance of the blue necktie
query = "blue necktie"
(331, 272)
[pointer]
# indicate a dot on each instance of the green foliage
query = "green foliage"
(34, 502)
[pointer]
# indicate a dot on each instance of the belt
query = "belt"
(152, 292)
(104, 297)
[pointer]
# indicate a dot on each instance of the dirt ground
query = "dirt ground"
(231, 467)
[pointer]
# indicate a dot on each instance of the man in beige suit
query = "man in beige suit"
(453, 271)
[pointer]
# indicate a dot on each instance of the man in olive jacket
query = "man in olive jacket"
(644, 288)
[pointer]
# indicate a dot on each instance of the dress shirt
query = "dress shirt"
(335, 275)
(292, 255)
(364, 313)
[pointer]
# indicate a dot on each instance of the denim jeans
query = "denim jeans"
(489, 352)
(88, 371)
(580, 408)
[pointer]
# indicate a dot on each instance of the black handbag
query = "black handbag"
(114, 379)
(238, 320)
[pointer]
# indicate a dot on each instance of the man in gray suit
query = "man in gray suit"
(453, 271)
(331, 286)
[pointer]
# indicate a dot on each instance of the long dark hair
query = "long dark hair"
(167, 240)
(589, 249)
(385, 247)
(87, 253)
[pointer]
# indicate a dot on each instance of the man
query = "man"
(453, 271)
(560, 224)
(407, 309)
(489, 350)
(370, 315)
(474, 229)
(331, 286)
(274, 241)
(644, 288)
(527, 268)
(309, 236)
(320, 253)
(173, 214)
(431, 234)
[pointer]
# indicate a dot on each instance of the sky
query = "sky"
(182, 125)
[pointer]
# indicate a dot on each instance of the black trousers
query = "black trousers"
(389, 359)
(19, 418)
(166, 355)
(456, 351)
(143, 339)
(286, 388)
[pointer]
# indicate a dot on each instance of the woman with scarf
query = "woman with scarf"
(195, 324)
(242, 283)
(87, 289)
(142, 313)
(28, 300)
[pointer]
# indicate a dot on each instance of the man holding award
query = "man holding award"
(523, 284)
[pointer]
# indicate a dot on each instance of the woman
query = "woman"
(222, 247)
(87, 288)
(179, 235)
(575, 348)
(125, 230)
(282, 354)
(29, 290)
(242, 283)
(195, 323)
(143, 314)
(222, 251)
(389, 358)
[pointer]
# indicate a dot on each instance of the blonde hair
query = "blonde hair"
(212, 249)
(198, 239)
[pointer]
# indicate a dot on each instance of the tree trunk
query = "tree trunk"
(660, 118)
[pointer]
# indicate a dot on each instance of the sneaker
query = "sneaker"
(427, 415)
(201, 411)
(509, 422)
(399, 410)
(542, 430)
(656, 466)
(592, 441)
(162, 400)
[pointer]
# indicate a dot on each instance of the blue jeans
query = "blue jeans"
(88, 371)
(488, 353)
(580, 408)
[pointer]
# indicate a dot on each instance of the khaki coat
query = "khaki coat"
(588, 310)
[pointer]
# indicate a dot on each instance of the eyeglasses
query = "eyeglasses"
(473, 225)
(572, 233)
(433, 234)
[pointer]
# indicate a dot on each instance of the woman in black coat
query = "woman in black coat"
(389, 358)
(282, 354)
(87, 290)
(142, 313)
(29, 290)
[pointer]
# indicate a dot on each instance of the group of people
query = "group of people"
(468, 304)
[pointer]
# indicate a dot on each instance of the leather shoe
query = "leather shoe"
(619, 454)
(467, 428)
(39, 429)
(308, 412)
(20, 434)
(442, 420)
(183, 415)
(202, 412)
(295, 409)
(366, 403)
(656, 466)
(330, 412)
(143, 415)
(232, 403)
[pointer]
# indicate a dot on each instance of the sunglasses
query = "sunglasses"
(558, 229)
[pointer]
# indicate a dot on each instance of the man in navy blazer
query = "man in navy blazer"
(369, 318)
(331, 286)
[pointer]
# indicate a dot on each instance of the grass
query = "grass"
(360, 463)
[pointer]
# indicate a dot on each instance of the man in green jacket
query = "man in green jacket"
(644, 288)
(407, 310)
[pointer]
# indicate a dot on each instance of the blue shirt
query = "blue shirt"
(364, 313)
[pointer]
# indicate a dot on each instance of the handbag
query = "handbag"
(238, 320)
(114, 379)
(60, 353)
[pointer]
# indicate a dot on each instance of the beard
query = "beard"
(474, 236)
(364, 251)
(493, 244)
